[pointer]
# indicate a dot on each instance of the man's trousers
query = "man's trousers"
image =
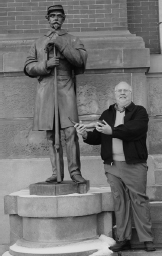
(128, 186)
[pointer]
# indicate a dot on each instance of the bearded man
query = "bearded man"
(122, 133)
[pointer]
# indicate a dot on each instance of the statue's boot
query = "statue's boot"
(52, 154)
(77, 178)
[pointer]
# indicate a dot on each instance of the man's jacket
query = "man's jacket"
(72, 56)
(133, 133)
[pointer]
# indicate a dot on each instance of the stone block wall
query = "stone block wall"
(155, 108)
(106, 67)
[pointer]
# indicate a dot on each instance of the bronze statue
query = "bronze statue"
(57, 54)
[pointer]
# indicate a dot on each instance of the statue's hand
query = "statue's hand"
(53, 62)
(60, 43)
(49, 45)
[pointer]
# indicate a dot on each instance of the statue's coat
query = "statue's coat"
(73, 56)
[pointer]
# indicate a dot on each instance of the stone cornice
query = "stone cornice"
(106, 50)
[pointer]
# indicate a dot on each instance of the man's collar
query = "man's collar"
(59, 32)
(129, 107)
(119, 108)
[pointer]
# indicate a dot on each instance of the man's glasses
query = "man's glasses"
(58, 16)
(122, 90)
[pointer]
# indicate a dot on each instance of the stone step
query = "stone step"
(137, 253)
(157, 234)
(156, 216)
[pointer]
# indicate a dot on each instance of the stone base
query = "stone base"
(82, 248)
(86, 253)
(59, 225)
(54, 189)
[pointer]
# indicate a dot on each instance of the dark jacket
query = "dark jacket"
(133, 133)
(72, 56)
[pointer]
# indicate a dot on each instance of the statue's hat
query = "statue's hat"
(56, 7)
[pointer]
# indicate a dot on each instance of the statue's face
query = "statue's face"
(123, 94)
(56, 19)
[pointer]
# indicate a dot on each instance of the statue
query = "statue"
(55, 59)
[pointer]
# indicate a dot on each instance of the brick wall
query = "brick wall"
(28, 16)
(143, 21)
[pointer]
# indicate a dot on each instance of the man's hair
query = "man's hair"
(53, 8)
(123, 82)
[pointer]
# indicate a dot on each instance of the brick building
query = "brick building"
(124, 42)
(27, 16)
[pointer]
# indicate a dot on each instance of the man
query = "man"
(70, 60)
(122, 132)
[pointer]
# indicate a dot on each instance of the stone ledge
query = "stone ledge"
(34, 36)
(95, 201)
(105, 50)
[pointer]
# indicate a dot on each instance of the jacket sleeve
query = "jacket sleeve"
(33, 67)
(73, 50)
(133, 129)
(93, 138)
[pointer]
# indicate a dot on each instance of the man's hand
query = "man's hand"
(104, 127)
(53, 62)
(81, 129)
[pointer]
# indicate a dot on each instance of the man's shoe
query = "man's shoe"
(77, 178)
(120, 246)
(53, 178)
(149, 246)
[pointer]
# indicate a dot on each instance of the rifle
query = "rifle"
(57, 135)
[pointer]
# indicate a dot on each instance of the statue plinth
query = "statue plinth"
(55, 189)
(61, 225)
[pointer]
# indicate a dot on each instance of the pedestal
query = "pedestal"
(58, 225)
(63, 188)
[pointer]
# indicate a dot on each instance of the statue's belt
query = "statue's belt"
(63, 73)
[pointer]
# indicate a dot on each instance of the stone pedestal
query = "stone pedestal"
(58, 225)
(55, 189)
